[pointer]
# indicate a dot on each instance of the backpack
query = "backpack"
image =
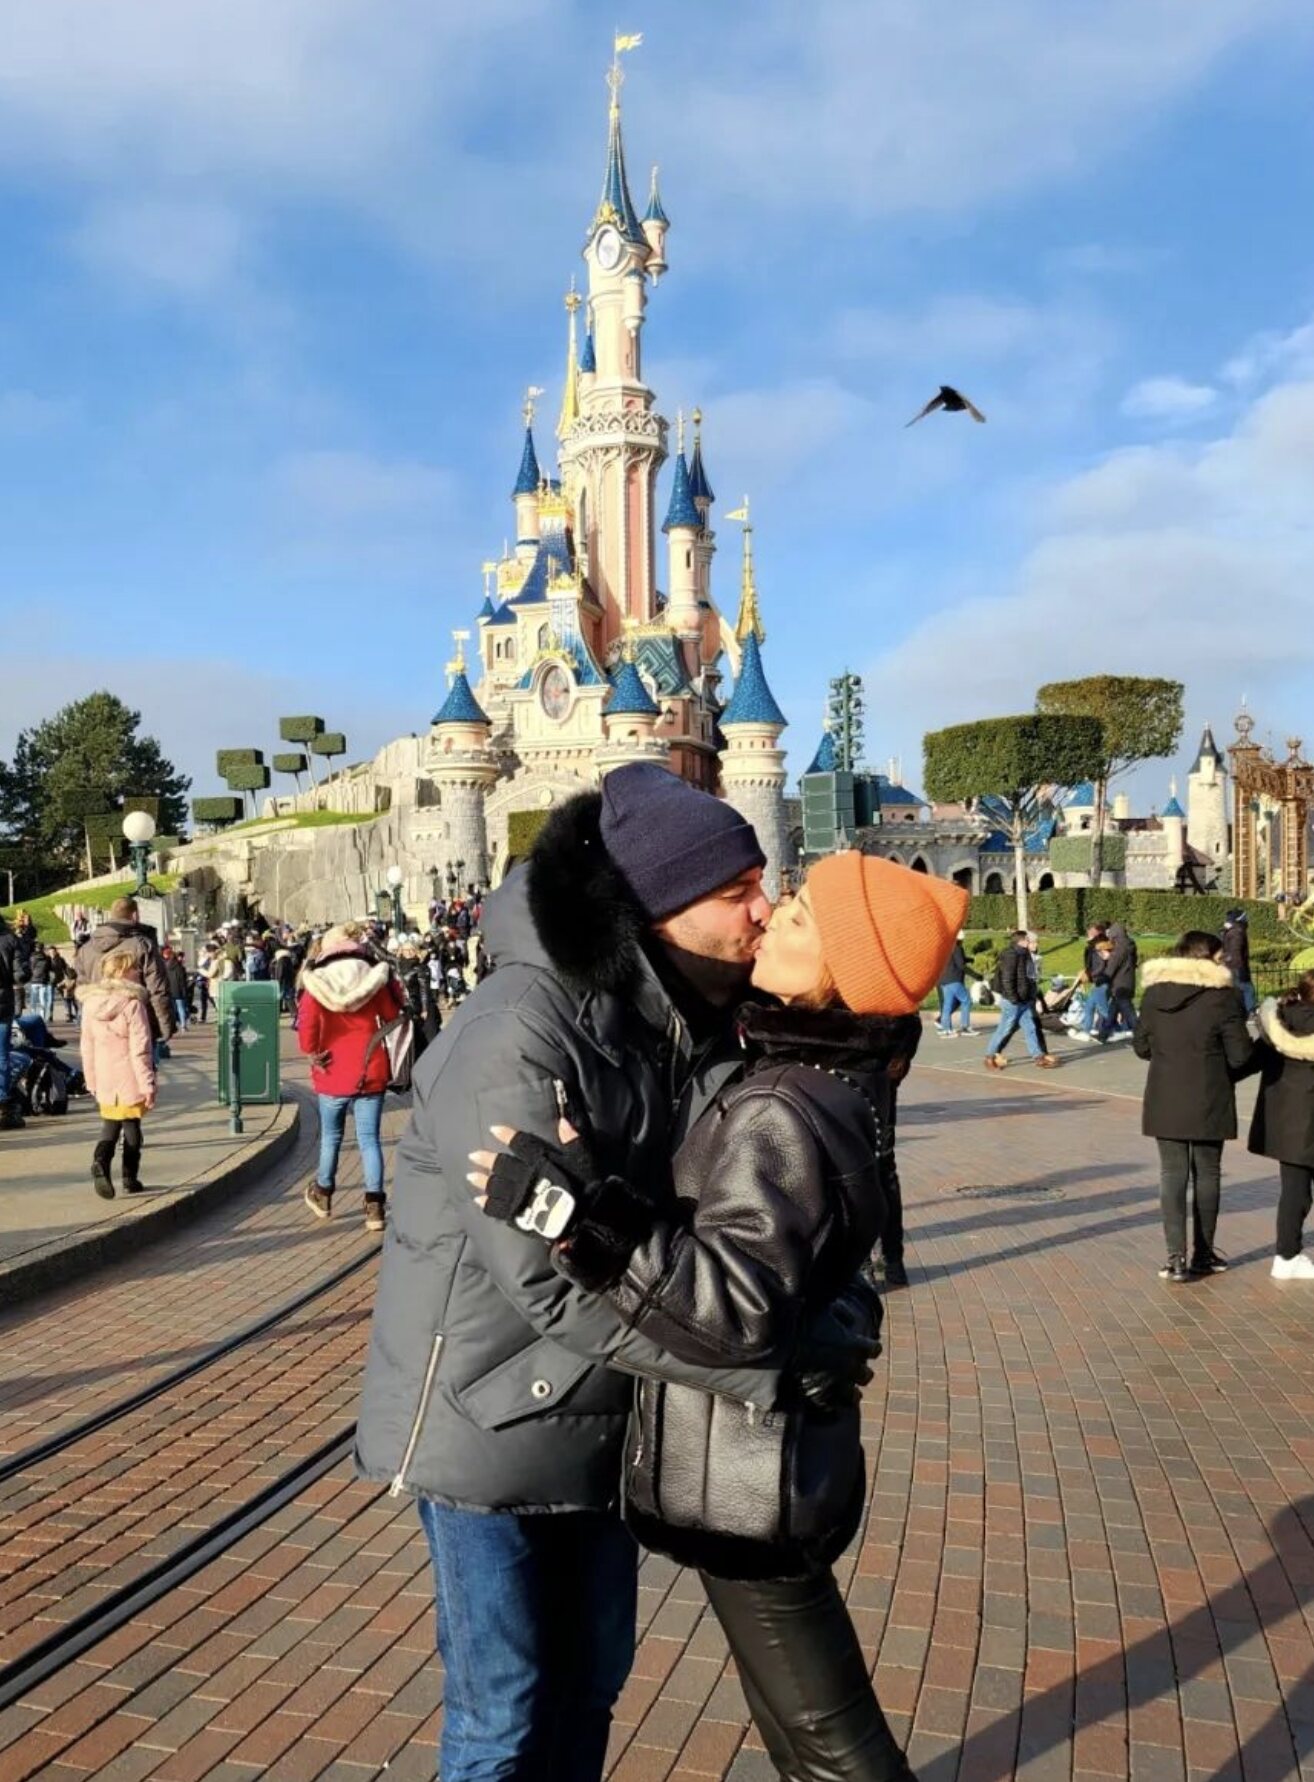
(397, 1037)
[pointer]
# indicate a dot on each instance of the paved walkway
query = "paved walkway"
(46, 1198)
(1089, 1553)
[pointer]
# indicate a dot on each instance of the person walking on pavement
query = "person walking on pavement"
(124, 933)
(779, 1199)
(118, 1063)
(1192, 1030)
(1015, 985)
(1282, 1126)
(1095, 1008)
(175, 976)
(954, 994)
(11, 1118)
(1120, 975)
(348, 994)
(496, 1390)
(1236, 955)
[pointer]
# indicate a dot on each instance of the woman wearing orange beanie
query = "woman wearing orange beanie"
(778, 1201)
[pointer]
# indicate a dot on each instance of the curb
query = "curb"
(80, 1253)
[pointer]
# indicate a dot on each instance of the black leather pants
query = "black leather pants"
(806, 1681)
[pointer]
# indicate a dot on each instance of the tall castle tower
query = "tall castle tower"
(753, 765)
(1206, 801)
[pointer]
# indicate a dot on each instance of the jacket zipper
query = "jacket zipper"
(399, 1482)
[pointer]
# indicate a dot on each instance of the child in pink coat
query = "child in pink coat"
(119, 1064)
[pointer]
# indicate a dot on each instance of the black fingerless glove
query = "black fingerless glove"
(558, 1192)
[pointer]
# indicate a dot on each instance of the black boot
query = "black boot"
(100, 1169)
(11, 1117)
(131, 1171)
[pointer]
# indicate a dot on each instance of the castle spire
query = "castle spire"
(698, 483)
(749, 622)
(570, 394)
(615, 205)
(529, 476)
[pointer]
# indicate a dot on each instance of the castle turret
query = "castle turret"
(630, 723)
(682, 526)
(465, 770)
(1173, 819)
(1206, 801)
(655, 224)
(529, 480)
(753, 766)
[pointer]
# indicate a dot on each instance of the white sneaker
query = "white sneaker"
(1083, 1039)
(1294, 1268)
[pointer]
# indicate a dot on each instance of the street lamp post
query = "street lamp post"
(139, 832)
(460, 875)
(395, 877)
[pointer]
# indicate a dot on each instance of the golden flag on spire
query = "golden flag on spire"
(628, 43)
(750, 614)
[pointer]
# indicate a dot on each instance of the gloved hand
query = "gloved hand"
(832, 1361)
(534, 1178)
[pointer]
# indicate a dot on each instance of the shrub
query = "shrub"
(1144, 912)
(217, 811)
(252, 778)
(290, 763)
(300, 729)
(1071, 853)
(228, 759)
(332, 742)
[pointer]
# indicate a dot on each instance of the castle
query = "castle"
(581, 662)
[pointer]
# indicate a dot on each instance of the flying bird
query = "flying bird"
(952, 401)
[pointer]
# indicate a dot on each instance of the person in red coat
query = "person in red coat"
(347, 995)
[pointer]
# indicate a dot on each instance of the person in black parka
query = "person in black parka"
(1283, 1123)
(1192, 1029)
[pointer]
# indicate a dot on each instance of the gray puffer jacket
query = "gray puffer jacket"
(492, 1381)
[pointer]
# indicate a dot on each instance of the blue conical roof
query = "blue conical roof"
(486, 611)
(460, 705)
(530, 476)
(1174, 809)
(629, 695)
(699, 486)
(654, 212)
(825, 760)
(616, 187)
(753, 701)
(682, 511)
(588, 359)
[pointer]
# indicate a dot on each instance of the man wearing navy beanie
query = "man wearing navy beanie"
(497, 1392)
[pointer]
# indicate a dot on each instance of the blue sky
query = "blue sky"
(277, 273)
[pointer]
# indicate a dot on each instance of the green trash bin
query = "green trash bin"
(248, 1030)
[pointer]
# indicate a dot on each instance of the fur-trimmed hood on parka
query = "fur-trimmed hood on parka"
(1288, 1028)
(106, 1001)
(1180, 981)
(345, 983)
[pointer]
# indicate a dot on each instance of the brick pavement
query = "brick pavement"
(1089, 1552)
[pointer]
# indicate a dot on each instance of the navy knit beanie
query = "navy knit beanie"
(673, 843)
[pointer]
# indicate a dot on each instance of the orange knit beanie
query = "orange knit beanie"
(886, 931)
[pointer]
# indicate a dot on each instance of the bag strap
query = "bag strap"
(378, 1038)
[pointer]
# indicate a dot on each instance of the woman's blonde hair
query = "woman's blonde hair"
(119, 964)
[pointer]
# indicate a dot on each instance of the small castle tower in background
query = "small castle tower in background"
(1174, 831)
(753, 764)
(465, 770)
(1206, 802)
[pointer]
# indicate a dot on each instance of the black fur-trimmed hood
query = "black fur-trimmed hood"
(569, 907)
(833, 1038)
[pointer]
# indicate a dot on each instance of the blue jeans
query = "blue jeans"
(1249, 997)
(367, 1117)
(41, 1001)
(1013, 1015)
(1097, 1007)
(4, 1058)
(536, 1631)
(180, 1009)
(954, 996)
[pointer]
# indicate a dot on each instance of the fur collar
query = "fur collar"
(1291, 1045)
(830, 1036)
(345, 984)
(1198, 974)
(586, 917)
(90, 994)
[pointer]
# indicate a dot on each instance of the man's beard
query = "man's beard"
(719, 982)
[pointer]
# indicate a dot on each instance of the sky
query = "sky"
(277, 274)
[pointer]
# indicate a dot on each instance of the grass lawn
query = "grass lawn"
(94, 897)
(296, 820)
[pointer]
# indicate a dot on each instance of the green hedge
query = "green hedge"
(254, 778)
(332, 742)
(300, 729)
(522, 830)
(1071, 853)
(1144, 912)
(290, 763)
(228, 759)
(217, 810)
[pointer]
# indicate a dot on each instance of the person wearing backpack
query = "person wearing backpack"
(1283, 1123)
(348, 994)
(1014, 983)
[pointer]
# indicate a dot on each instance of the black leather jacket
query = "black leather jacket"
(781, 1195)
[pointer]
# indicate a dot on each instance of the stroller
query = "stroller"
(1059, 1006)
(40, 1079)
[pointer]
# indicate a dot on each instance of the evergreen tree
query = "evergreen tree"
(88, 756)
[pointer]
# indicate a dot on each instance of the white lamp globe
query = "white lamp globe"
(139, 826)
(395, 875)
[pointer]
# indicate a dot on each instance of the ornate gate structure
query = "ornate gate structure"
(1287, 784)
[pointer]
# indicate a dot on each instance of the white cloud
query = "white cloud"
(1272, 354)
(866, 109)
(185, 247)
(1191, 561)
(1167, 399)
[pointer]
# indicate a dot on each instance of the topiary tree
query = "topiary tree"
(243, 770)
(249, 781)
(217, 813)
(1141, 719)
(83, 804)
(329, 744)
(1011, 762)
(302, 730)
(293, 763)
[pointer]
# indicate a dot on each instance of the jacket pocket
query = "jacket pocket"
(530, 1384)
